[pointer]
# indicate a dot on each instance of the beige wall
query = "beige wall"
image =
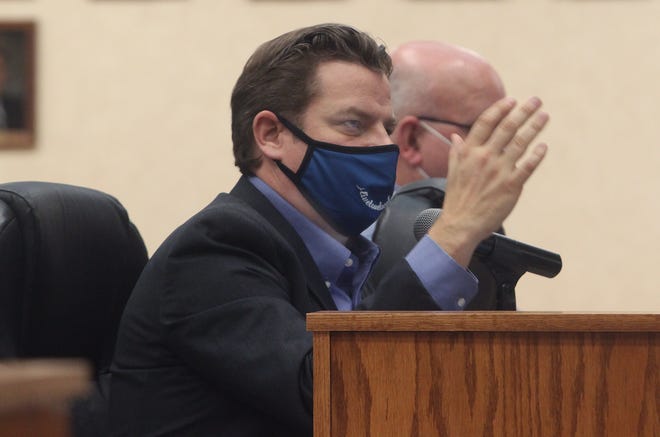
(134, 100)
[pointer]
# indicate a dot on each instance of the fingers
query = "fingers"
(526, 167)
(524, 137)
(489, 120)
(488, 169)
(504, 126)
(509, 126)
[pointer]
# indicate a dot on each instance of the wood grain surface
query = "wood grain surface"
(35, 395)
(576, 379)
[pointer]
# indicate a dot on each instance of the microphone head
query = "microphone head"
(425, 220)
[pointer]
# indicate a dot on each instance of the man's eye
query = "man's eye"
(354, 125)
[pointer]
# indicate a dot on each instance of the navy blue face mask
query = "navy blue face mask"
(348, 186)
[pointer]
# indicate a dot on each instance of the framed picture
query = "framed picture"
(17, 84)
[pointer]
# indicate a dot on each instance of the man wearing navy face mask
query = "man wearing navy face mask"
(213, 338)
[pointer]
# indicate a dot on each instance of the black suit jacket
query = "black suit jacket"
(213, 339)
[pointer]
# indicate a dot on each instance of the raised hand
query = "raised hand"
(487, 172)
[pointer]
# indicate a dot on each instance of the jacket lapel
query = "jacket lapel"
(247, 192)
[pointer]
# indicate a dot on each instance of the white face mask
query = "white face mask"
(436, 134)
(422, 173)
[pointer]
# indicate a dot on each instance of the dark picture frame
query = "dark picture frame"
(17, 84)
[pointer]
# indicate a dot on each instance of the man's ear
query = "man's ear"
(267, 130)
(405, 137)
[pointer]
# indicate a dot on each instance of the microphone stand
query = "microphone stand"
(508, 260)
(506, 280)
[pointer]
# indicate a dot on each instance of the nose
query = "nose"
(381, 136)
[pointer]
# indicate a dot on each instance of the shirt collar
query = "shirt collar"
(329, 254)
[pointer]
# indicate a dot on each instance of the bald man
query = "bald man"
(438, 89)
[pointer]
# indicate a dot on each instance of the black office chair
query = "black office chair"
(394, 233)
(69, 258)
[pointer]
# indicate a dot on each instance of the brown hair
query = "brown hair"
(279, 77)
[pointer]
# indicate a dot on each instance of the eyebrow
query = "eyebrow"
(390, 122)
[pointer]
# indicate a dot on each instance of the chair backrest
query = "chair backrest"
(69, 258)
(394, 233)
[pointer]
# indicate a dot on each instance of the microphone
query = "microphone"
(501, 250)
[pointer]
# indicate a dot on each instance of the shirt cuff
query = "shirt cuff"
(451, 286)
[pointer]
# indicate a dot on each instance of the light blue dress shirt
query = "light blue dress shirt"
(345, 269)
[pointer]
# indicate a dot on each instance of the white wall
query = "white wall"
(133, 99)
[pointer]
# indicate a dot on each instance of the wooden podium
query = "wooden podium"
(34, 396)
(485, 374)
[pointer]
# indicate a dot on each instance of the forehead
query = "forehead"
(346, 84)
(462, 93)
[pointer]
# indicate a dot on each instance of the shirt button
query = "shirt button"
(461, 302)
(327, 284)
(349, 262)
